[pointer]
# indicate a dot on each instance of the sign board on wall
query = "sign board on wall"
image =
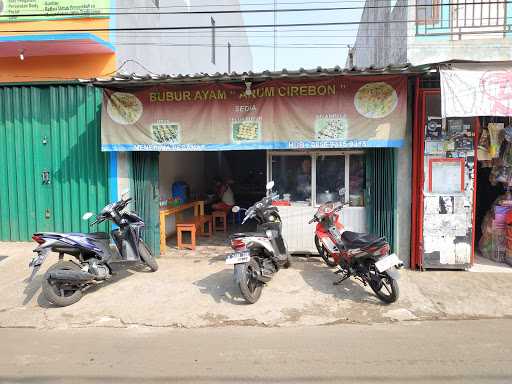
(338, 112)
(476, 90)
(54, 9)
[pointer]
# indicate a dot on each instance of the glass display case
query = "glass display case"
(304, 180)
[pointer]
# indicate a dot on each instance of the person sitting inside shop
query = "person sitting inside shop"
(223, 191)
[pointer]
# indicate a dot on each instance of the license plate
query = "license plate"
(238, 257)
(387, 262)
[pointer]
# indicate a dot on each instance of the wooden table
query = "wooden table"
(198, 207)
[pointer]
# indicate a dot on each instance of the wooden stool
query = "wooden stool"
(223, 225)
(202, 220)
(186, 227)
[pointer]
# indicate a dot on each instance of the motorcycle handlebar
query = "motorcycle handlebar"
(118, 206)
(97, 221)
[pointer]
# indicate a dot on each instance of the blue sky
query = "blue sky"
(290, 54)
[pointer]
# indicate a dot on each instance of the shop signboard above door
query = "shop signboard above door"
(37, 10)
(469, 90)
(339, 112)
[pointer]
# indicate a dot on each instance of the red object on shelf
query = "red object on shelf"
(281, 203)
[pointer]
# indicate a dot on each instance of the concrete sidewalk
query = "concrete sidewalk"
(192, 290)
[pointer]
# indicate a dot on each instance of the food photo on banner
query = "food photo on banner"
(276, 114)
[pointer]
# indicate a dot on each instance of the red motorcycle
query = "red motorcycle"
(364, 256)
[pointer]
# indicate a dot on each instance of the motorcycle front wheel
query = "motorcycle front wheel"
(147, 257)
(326, 256)
(58, 293)
(385, 287)
(250, 286)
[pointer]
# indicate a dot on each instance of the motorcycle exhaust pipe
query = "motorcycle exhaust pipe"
(67, 276)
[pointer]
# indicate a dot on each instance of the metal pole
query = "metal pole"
(229, 57)
(275, 31)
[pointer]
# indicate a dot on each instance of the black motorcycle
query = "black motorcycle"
(258, 255)
(65, 281)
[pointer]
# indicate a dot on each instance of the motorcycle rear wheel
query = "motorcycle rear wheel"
(250, 287)
(147, 257)
(58, 293)
(386, 288)
(326, 256)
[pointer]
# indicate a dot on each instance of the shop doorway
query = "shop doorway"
(187, 178)
(493, 208)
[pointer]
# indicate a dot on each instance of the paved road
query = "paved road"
(471, 351)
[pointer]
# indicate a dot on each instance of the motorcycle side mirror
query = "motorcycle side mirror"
(87, 215)
(125, 195)
(270, 185)
(235, 209)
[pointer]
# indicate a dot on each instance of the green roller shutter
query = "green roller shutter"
(381, 192)
(145, 181)
(52, 168)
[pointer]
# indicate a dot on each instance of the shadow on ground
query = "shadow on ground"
(221, 287)
(321, 278)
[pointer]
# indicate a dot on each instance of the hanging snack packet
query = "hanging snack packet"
(496, 138)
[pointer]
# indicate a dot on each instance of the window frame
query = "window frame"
(314, 156)
(435, 13)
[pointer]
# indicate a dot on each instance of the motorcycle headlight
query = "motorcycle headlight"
(272, 218)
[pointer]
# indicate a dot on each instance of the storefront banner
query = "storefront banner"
(476, 90)
(46, 8)
(339, 112)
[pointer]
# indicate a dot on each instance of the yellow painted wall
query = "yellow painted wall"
(55, 68)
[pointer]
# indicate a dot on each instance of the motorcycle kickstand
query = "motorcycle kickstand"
(345, 277)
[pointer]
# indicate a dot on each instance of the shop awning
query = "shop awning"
(269, 110)
(135, 80)
(476, 89)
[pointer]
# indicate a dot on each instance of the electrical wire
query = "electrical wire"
(289, 45)
(292, 36)
(226, 5)
(242, 11)
(207, 27)
(237, 4)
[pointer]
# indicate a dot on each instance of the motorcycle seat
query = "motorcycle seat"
(94, 235)
(247, 234)
(353, 240)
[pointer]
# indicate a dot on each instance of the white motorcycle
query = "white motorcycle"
(258, 255)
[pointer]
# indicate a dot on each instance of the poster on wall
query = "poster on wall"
(476, 90)
(340, 112)
(29, 10)
(446, 175)
(434, 128)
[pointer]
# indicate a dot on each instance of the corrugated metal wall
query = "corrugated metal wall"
(145, 186)
(52, 170)
(381, 193)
